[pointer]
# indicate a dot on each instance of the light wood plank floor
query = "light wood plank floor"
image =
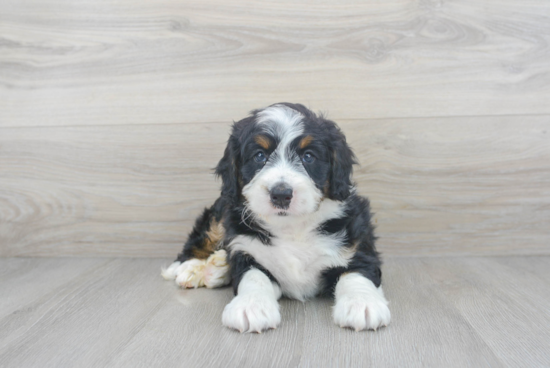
(447, 312)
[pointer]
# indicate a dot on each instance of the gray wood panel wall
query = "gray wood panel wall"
(113, 114)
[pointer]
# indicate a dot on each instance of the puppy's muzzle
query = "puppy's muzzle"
(281, 195)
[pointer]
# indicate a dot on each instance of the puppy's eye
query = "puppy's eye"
(308, 157)
(260, 157)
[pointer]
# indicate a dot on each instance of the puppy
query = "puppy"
(288, 222)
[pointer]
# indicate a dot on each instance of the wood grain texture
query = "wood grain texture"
(439, 186)
(446, 312)
(503, 292)
(137, 62)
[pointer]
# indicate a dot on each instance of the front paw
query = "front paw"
(360, 312)
(252, 313)
(190, 274)
(216, 271)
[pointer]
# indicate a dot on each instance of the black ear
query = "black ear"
(228, 169)
(342, 161)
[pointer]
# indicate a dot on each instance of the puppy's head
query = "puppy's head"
(284, 160)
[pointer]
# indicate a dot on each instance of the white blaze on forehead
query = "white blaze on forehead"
(282, 122)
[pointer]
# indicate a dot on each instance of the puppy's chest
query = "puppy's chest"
(297, 262)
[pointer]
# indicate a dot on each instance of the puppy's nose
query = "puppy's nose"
(281, 195)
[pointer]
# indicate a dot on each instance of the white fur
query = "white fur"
(359, 304)
(190, 273)
(216, 273)
(298, 253)
(255, 308)
(281, 121)
(194, 273)
(169, 273)
(306, 196)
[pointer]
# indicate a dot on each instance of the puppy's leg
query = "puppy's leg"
(200, 264)
(359, 303)
(212, 272)
(170, 272)
(255, 307)
(216, 271)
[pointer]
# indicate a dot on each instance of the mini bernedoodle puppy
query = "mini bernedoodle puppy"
(288, 222)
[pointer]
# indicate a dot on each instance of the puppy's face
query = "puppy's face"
(287, 160)
(285, 164)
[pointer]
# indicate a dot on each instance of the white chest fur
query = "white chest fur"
(298, 254)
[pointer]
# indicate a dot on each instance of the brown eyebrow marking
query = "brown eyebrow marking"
(306, 141)
(263, 141)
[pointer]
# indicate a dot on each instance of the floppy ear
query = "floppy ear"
(342, 161)
(228, 169)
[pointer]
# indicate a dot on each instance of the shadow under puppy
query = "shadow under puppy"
(288, 222)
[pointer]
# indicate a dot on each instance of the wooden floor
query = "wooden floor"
(447, 312)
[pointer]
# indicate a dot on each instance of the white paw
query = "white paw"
(216, 271)
(360, 304)
(361, 313)
(190, 273)
(252, 313)
(170, 272)
(194, 273)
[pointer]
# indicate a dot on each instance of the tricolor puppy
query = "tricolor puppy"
(288, 222)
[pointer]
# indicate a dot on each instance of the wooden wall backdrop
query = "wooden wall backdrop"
(113, 113)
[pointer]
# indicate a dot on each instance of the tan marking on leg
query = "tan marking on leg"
(201, 253)
(216, 233)
(214, 236)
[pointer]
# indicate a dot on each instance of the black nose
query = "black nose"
(281, 195)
